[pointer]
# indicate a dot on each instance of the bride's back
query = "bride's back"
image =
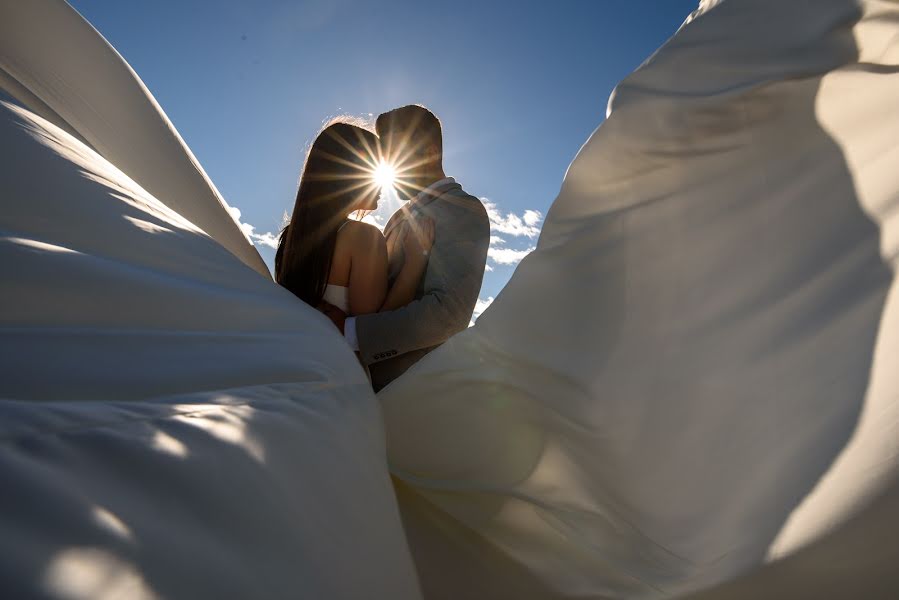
(363, 246)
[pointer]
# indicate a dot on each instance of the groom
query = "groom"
(390, 342)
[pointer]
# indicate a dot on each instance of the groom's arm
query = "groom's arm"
(452, 282)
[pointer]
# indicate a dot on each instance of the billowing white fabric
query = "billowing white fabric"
(697, 367)
(64, 71)
(693, 374)
(173, 424)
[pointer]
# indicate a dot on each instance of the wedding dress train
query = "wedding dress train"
(690, 382)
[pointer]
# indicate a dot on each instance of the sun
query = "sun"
(384, 175)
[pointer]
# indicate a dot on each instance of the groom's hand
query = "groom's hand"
(337, 316)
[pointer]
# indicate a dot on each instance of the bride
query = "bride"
(323, 255)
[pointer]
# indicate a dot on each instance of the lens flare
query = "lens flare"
(384, 175)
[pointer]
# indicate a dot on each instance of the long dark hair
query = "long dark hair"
(336, 176)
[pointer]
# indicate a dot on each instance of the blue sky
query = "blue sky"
(519, 87)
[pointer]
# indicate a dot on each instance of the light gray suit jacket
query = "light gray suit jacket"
(390, 342)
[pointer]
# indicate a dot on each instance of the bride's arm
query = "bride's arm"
(368, 269)
(416, 245)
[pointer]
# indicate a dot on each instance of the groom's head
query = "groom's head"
(412, 141)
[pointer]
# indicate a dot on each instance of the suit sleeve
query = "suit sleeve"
(451, 285)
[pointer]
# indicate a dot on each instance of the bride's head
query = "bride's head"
(336, 182)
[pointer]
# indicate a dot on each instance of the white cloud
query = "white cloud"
(532, 217)
(508, 256)
(527, 224)
(263, 239)
(479, 307)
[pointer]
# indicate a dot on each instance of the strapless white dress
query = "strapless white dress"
(339, 296)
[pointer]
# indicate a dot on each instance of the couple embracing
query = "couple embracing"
(396, 295)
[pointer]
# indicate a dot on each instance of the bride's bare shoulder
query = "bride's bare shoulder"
(356, 232)
(358, 237)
